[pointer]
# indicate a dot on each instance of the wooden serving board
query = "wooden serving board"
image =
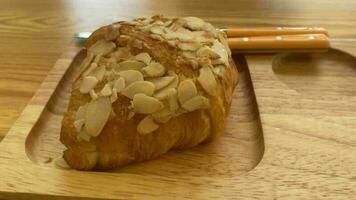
(291, 134)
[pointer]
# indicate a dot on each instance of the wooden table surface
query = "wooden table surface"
(34, 33)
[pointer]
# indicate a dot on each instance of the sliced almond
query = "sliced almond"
(129, 65)
(131, 76)
(189, 54)
(147, 125)
(80, 114)
(93, 94)
(99, 72)
(220, 49)
(154, 69)
(173, 99)
(163, 115)
(184, 37)
(114, 96)
(98, 57)
(102, 46)
(122, 53)
(88, 83)
(195, 103)
(219, 70)
(163, 93)
(145, 104)
(223, 41)
(157, 29)
(78, 124)
(90, 69)
(144, 87)
(194, 23)
(202, 37)
(110, 75)
(161, 82)
(206, 51)
(119, 84)
(106, 91)
(157, 37)
(112, 32)
(188, 46)
(167, 23)
(186, 90)
(96, 115)
(207, 80)
(143, 57)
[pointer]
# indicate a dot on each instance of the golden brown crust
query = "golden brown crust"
(119, 143)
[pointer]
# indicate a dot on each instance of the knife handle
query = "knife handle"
(311, 41)
(245, 32)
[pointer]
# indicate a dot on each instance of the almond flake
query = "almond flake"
(80, 114)
(195, 103)
(114, 96)
(186, 90)
(78, 124)
(98, 58)
(163, 115)
(147, 125)
(145, 104)
(220, 49)
(143, 57)
(88, 83)
(93, 94)
(161, 82)
(144, 87)
(222, 39)
(102, 46)
(173, 99)
(96, 116)
(99, 72)
(188, 46)
(219, 70)
(119, 84)
(163, 93)
(189, 54)
(129, 65)
(90, 69)
(194, 23)
(106, 91)
(131, 76)
(157, 29)
(154, 69)
(122, 53)
(207, 81)
(206, 51)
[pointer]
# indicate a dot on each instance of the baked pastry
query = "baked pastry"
(145, 87)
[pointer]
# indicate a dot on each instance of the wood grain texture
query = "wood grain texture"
(33, 34)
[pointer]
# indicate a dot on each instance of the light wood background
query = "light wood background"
(34, 33)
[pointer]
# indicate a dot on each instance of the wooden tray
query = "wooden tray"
(305, 146)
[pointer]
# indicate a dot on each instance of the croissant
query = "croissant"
(147, 86)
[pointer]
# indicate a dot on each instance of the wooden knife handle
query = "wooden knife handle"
(311, 41)
(245, 32)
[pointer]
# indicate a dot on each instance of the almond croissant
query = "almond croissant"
(145, 87)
